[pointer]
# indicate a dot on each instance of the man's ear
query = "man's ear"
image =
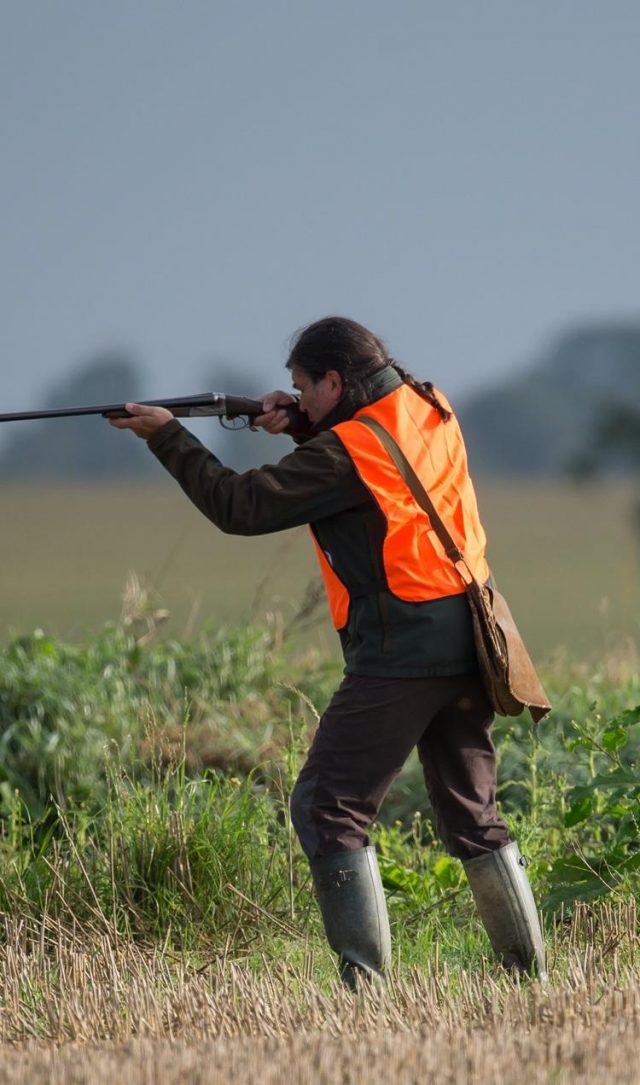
(336, 383)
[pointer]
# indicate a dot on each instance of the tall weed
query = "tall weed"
(144, 785)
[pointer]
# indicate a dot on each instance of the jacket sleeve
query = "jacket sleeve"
(317, 480)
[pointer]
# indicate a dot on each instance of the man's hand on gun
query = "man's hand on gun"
(144, 420)
(275, 418)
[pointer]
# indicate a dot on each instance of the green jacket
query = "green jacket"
(317, 484)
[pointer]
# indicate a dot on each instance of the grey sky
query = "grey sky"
(196, 179)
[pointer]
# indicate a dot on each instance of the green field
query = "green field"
(566, 558)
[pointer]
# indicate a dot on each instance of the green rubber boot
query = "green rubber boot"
(505, 902)
(354, 910)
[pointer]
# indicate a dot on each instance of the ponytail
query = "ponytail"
(424, 389)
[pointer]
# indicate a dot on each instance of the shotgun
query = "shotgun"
(212, 404)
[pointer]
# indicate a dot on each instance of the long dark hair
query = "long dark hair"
(335, 342)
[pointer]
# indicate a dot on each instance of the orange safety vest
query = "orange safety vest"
(416, 567)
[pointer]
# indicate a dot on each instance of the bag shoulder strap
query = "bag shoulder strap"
(453, 552)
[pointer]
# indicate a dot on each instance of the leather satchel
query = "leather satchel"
(508, 674)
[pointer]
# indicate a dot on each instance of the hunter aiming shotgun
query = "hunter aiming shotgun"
(208, 404)
(384, 487)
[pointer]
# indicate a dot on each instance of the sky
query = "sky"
(193, 181)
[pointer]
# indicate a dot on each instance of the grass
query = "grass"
(157, 921)
(146, 782)
(566, 558)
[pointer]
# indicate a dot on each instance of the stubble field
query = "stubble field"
(104, 1013)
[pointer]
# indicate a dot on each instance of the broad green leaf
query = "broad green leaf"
(623, 777)
(398, 878)
(569, 894)
(579, 811)
(614, 738)
(576, 868)
(448, 872)
(626, 719)
(576, 794)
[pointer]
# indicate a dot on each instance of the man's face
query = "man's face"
(317, 398)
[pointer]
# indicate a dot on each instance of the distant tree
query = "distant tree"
(79, 448)
(546, 419)
(613, 443)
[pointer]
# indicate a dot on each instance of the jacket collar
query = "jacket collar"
(381, 383)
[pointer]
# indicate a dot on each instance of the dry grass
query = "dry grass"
(82, 1007)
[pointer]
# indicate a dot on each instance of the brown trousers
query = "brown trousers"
(362, 742)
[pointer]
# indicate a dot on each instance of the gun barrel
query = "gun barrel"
(60, 412)
(182, 406)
